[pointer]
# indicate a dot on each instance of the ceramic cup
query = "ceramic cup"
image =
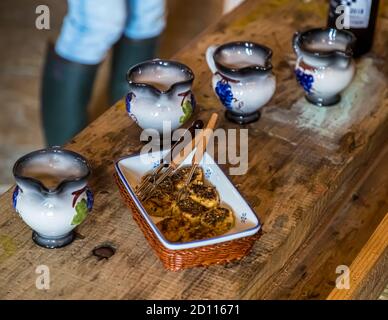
(160, 91)
(51, 195)
(324, 66)
(242, 78)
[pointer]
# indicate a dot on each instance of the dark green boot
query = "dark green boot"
(66, 90)
(126, 53)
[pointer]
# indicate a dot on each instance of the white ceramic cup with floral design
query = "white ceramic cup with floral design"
(242, 78)
(160, 91)
(51, 195)
(324, 66)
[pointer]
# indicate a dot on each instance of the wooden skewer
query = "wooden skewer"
(200, 151)
(202, 144)
(197, 124)
(201, 139)
(175, 163)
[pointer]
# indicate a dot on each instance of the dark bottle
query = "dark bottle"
(358, 17)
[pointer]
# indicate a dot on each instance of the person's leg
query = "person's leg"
(89, 30)
(146, 21)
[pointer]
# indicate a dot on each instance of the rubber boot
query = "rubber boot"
(126, 53)
(66, 91)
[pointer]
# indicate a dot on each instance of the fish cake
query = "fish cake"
(196, 216)
(205, 195)
(219, 220)
(189, 209)
(179, 229)
(197, 231)
(180, 176)
(159, 205)
(174, 229)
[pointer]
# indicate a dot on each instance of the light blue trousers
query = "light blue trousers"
(91, 27)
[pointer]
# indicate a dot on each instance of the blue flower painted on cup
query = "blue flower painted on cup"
(89, 199)
(193, 101)
(305, 80)
(224, 92)
(15, 196)
(128, 100)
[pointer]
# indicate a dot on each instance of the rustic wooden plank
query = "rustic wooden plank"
(368, 272)
(311, 272)
(301, 160)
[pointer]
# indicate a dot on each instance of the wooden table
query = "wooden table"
(317, 178)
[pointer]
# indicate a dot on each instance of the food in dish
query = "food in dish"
(219, 219)
(179, 177)
(191, 214)
(159, 205)
(205, 195)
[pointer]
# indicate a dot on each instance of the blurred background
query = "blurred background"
(22, 55)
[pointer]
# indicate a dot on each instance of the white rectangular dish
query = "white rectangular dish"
(132, 168)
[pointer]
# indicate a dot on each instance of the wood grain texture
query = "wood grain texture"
(311, 272)
(368, 272)
(301, 161)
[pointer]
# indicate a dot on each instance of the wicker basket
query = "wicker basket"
(176, 260)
